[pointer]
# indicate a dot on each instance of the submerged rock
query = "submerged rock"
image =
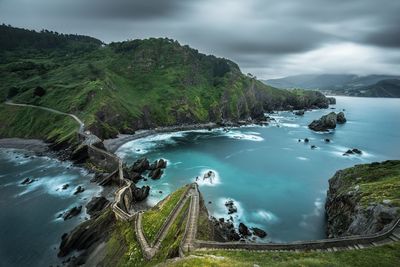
(299, 112)
(28, 180)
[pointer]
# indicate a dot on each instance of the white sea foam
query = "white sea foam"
(290, 125)
(216, 180)
(243, 136)
(265, 215)
(302, 158)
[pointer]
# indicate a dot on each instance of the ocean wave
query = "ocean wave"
(302, 158)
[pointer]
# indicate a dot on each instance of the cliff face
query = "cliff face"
(364, 199)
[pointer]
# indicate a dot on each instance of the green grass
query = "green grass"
(154, 218)
(204, 226)
(136, 84)
(385, 256)
(122, 248)
(27, 122)
(377, 182)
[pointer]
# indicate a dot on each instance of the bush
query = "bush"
(39, 91)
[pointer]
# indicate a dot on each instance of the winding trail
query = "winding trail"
(189, 242)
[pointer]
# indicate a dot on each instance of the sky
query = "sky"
(268, 38)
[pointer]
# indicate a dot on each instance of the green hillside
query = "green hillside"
(125, 86)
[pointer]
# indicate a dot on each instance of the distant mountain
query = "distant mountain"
(384, 88)
(348, 84)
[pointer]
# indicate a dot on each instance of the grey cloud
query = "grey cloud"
(266, 37)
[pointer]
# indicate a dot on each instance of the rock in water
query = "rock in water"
(259, 232)
(156, 174)
(244, 230)
(96, 205)
(65, 186)
(161, 164)
(140, 194)
(299, 112)
(140, 165)
(231, 206)
(72, 212)
(28, 181)
(340, 118)
(78, 190)
(325, 123)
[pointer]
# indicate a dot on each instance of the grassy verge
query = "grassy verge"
(154, 218)
(26, 122)
(124, 250)
(204, 226)
(388, 255)
(376, 181)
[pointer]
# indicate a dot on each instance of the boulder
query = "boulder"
(231, 207)
(140, 194)
(340, 118)
(327, 140)
(244, 230)
(306, 140)
(313, 147)
(325, 123)
(156, 174)
(259, 232)
(140, 165)
(78, 190)
(96, 205)
(72, 213)
(225, 229)
(299, 112)
(161, 164)
(80, 155)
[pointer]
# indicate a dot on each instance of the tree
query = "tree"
(39, 91)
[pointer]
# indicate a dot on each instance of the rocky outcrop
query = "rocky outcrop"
(86, 236)
(340, 118)
(230, 206)
(327, 122)
(360, 200)
(259, 232)
(225, 229)
(244, 230)
(140, 194)
(140, 165)
(156, 174)
(74, 211)
(96, 205)
(79, 190)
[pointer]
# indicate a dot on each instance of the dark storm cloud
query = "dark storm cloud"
(268, 37)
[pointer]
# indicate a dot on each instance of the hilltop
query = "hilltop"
(125, 86)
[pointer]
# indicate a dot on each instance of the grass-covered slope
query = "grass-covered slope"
(388, 256)
(364, 199)
(130, 85)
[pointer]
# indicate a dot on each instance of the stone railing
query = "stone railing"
(333, 244)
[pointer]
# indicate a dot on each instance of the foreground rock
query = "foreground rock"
(327, 122)
(156, 174)
(96, 205)
(363, 199)
(86, 236)
(225, 229)
(244, 230)
(72, 213)
(140, 165)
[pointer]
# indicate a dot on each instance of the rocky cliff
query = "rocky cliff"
(364, 199)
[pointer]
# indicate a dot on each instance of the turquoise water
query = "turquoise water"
(30, 232)
(277, 183)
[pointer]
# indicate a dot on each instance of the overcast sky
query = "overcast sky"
(269, 38)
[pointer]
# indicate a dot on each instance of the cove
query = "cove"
(277, 183)
(30, 229)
